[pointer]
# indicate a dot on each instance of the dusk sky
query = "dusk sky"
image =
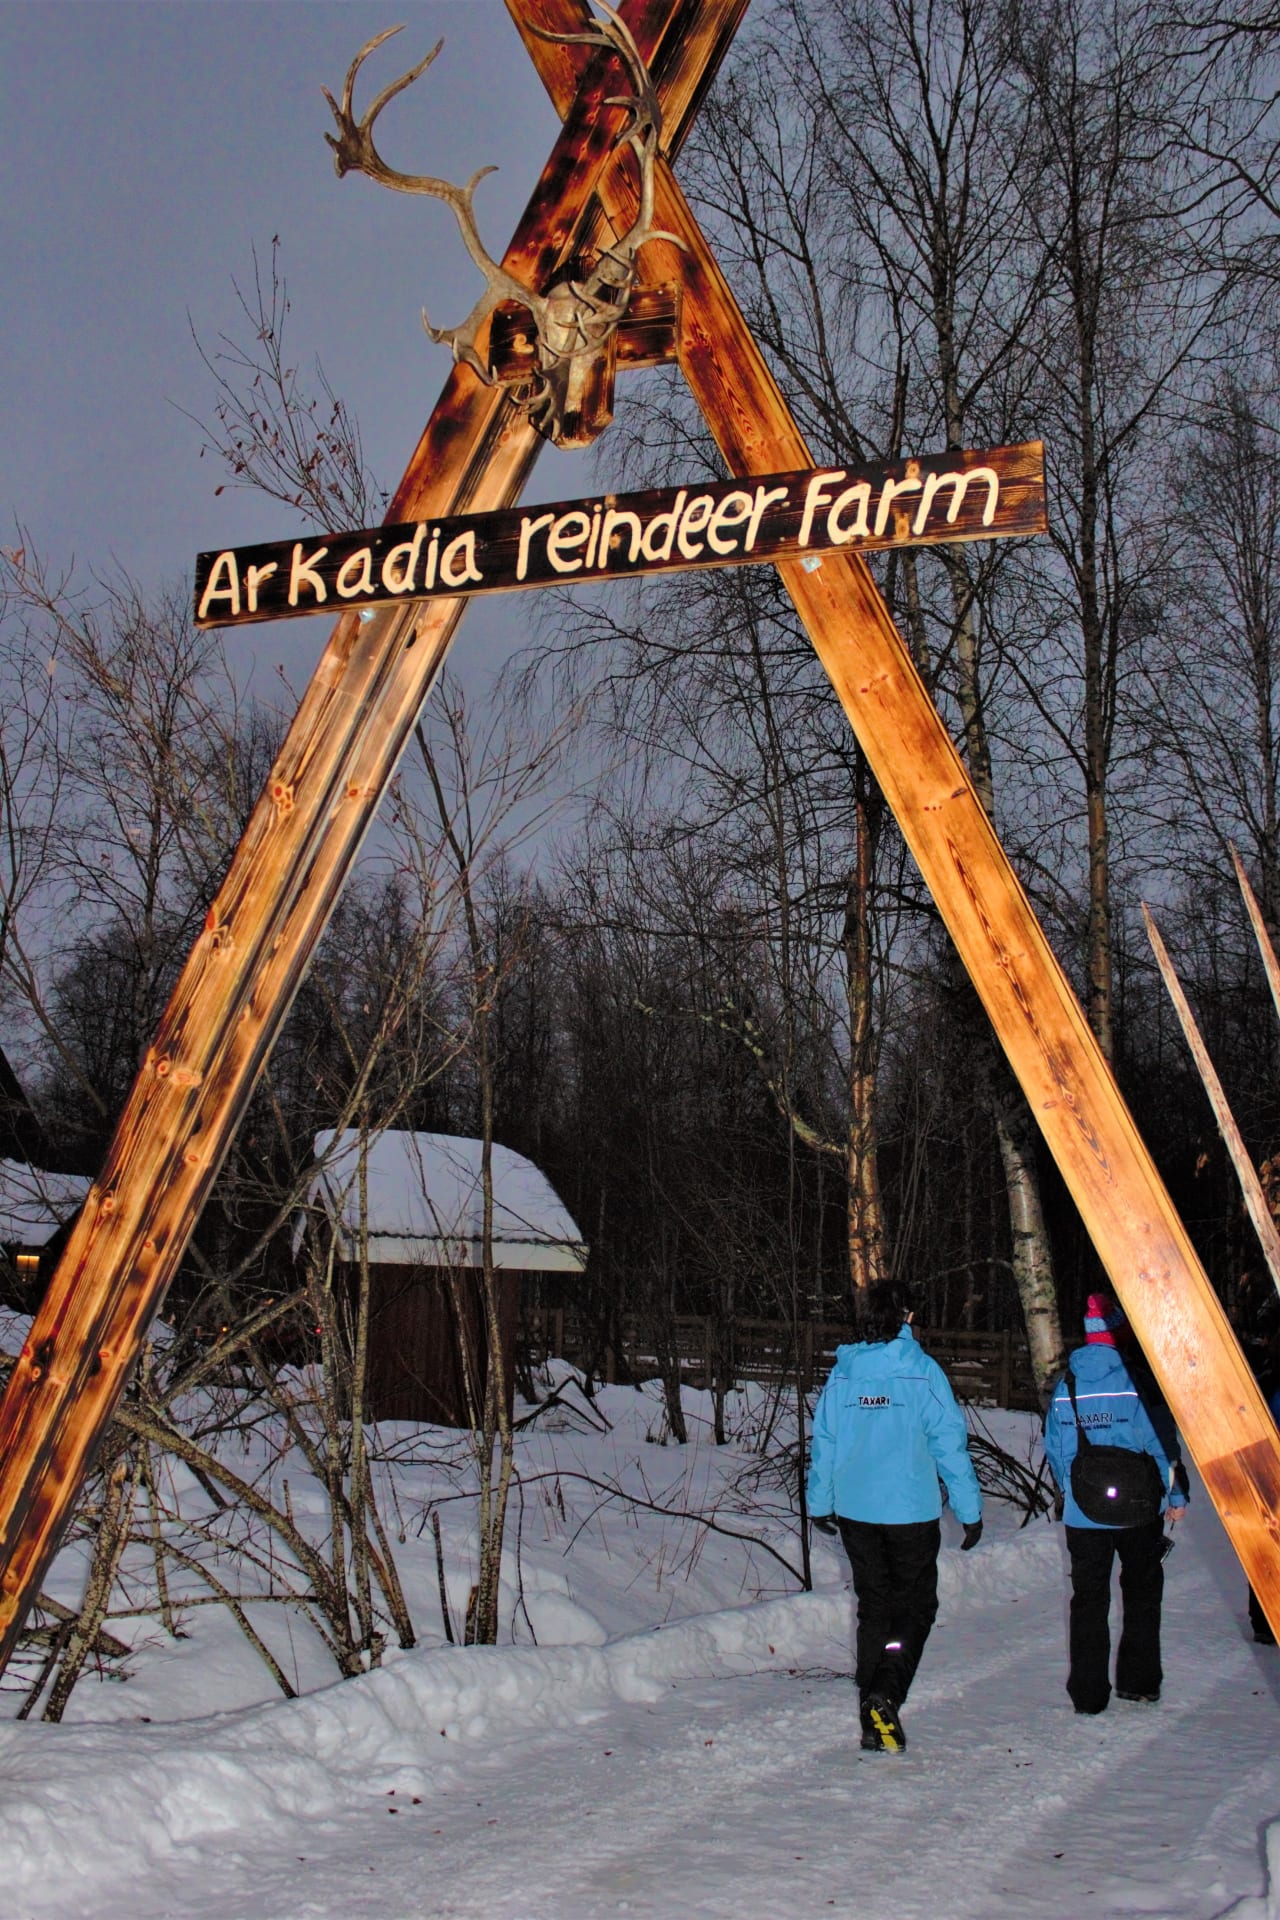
(149, 148)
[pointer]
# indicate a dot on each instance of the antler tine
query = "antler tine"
(613, 35)
(461, 340)
(354, 150)
(343, 112)
(390, 91)
(644, 103)
(500, 285)
(617, 265)
(595, 39)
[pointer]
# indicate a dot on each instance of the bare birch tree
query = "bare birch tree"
(907, 120)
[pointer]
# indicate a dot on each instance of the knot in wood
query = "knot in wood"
(282, 795)
(219, 932)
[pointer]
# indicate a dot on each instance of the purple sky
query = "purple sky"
(149, 146)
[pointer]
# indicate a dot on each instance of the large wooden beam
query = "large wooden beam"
(1068, 1083)
(306, 830)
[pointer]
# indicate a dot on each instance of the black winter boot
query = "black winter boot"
(884, 1718)
(871, 1741)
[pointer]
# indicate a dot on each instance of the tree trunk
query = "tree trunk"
(1032, 1262)
(865, 1213)
(1099, 681)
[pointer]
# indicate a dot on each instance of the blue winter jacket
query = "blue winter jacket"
(1116, 1415)
(885, 1426)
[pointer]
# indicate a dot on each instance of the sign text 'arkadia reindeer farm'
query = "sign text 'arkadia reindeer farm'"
(946, 497)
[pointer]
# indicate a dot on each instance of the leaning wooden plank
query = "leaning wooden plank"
(1250, 1185)
(1259, 925)
(306, 830)
(1068, 1083)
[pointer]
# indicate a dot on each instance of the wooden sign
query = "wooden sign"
(944, 498)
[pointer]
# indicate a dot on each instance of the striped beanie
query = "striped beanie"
(1105, 1324)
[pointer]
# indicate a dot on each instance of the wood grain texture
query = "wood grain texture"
(239, 981)
(1068, 1083)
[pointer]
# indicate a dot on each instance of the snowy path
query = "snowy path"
(744, 1795)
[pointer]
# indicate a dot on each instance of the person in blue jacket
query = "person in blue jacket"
(885, 1427)
(1118, 1402)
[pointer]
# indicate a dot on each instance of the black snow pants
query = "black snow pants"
(1259, 1621)
(895, 1579)
(1141, 1555)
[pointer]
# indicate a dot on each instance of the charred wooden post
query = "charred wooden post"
(1068, 1083)
(305, 832)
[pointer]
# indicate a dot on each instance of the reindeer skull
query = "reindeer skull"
(573, 320)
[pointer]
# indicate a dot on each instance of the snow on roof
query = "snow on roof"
(426, 1203)
(34, 1204)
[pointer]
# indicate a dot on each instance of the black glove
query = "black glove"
(825, 1523)
(972, 1535)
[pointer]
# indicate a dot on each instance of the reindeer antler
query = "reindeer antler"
(574, 319)
(355, 152)
(613, 34)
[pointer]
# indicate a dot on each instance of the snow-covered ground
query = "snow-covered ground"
(680, 1740)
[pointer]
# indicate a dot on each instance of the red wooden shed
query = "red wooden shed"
(424, 1220)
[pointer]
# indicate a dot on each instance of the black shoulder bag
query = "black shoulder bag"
(1114, 1486)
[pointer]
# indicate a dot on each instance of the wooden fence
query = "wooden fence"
(990, 1367)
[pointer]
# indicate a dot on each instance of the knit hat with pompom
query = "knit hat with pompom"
(1105, 1323)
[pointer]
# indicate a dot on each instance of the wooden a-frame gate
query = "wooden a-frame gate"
(342, 750)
